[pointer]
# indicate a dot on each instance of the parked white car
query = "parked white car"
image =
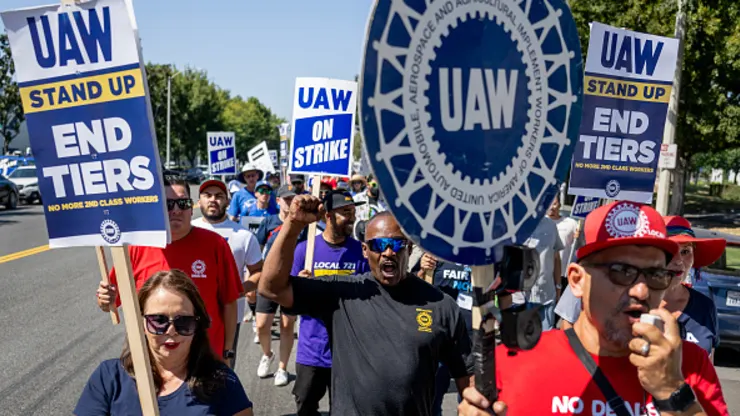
(25, 179)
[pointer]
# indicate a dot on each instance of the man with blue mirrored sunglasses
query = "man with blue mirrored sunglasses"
(389, 329)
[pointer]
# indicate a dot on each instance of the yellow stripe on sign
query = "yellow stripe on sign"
(83, 91)
(628, 90)
(24, 253)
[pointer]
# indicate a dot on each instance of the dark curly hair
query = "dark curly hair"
(206, 374)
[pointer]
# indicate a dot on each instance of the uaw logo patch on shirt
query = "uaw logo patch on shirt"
(198, 269)
(424, 319)
(469, 110)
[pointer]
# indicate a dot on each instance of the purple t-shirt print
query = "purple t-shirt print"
(314, 348)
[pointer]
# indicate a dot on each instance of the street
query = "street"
(53, 335)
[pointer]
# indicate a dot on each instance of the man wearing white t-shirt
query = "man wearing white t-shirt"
(567, 228)
(213, 202)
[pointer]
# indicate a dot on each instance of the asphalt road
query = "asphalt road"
(52, 335)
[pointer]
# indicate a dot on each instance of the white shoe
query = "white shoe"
(256, 339)
(281, 378)
(256, 335)
(263, 370)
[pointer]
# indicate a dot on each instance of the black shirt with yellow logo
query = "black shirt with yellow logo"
(387, 342)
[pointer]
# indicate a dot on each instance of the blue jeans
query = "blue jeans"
(547, 314)
(441, 384)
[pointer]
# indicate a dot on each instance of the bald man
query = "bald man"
(389, 329)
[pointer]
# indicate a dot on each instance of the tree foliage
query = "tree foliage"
(709, 106)
(11, 108)
(252, 122)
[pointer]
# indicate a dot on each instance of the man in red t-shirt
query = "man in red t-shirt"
(620, 274)
(202, 254)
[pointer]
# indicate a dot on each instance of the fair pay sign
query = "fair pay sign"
(323, 126)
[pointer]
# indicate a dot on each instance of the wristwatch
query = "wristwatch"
(679, 401)
(228, 354)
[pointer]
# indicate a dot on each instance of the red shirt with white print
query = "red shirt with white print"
(551, 380)
(204, 256)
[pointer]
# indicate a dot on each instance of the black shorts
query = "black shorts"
(265, 305)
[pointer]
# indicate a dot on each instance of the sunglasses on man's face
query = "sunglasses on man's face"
(182, 203)
(623, 274)
(160, 324)
(264, 191)
(380, 245)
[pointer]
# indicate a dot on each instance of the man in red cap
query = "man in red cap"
(611, 362)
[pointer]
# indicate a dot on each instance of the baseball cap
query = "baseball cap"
(213, 182)
(706, 250)
(297, 178)
(286, 191)
(262, 184)
(338, 199)
(625, 223)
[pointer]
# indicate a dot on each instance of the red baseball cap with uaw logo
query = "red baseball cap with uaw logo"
(625, 223)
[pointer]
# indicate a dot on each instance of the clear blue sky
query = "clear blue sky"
(251, 47)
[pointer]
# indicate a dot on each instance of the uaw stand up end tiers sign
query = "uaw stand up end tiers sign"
(469, 110)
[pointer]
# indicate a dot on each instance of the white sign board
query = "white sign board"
(222, 153)
(259, 156)
(323, 128)
(668, 155)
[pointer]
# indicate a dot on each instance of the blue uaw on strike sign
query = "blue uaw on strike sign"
(583, 205)
(221, 153)
(323, 130)
(469, 110)
(628, 83)
(84, 95)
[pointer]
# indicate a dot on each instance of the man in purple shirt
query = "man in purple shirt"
(335, 252)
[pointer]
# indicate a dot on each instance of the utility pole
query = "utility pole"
(169, 101)
(669, 132)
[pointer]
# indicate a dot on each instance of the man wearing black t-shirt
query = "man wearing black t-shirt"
(389, 329)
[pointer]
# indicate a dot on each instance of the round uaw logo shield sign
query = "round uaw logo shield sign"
(469, 113)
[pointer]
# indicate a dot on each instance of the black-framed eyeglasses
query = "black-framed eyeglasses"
(623, 274)
(380, 245)
(159, 324)
(182, 203)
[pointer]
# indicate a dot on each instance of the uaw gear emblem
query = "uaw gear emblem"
(469, 110)
(110, 231)
(627, 220)
(199, 269)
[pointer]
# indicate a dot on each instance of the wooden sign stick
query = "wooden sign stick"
(311, 239)
(103, 265)
(484, 337)
(134, 323)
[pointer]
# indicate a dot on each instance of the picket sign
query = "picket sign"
(311, 239)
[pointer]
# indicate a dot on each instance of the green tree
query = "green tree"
(252, 122)
(709, 103)
(11, 108)
(157, 80)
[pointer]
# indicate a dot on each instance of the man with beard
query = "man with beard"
(244, 246)
(611, 362)
(203, 255)
(242, 201)
(389, 329)
(335, 253)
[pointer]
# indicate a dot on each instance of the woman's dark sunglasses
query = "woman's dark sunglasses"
(159, 324)
(626, 275)
(183, 204)
(380, 245)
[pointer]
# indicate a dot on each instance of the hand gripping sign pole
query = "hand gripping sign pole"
(468, 140)
(87, 109)
(103, 265)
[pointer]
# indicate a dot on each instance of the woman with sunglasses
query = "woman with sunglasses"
(189, 378)
(698, 319)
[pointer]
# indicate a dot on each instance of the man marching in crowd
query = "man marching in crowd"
(213, 270)
(244, 246)
(245, 198)
(335, 253)
(610, 362)
(389, 329)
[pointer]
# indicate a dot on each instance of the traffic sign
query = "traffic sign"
(221, 153)
(668, 155)
(469, 112)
